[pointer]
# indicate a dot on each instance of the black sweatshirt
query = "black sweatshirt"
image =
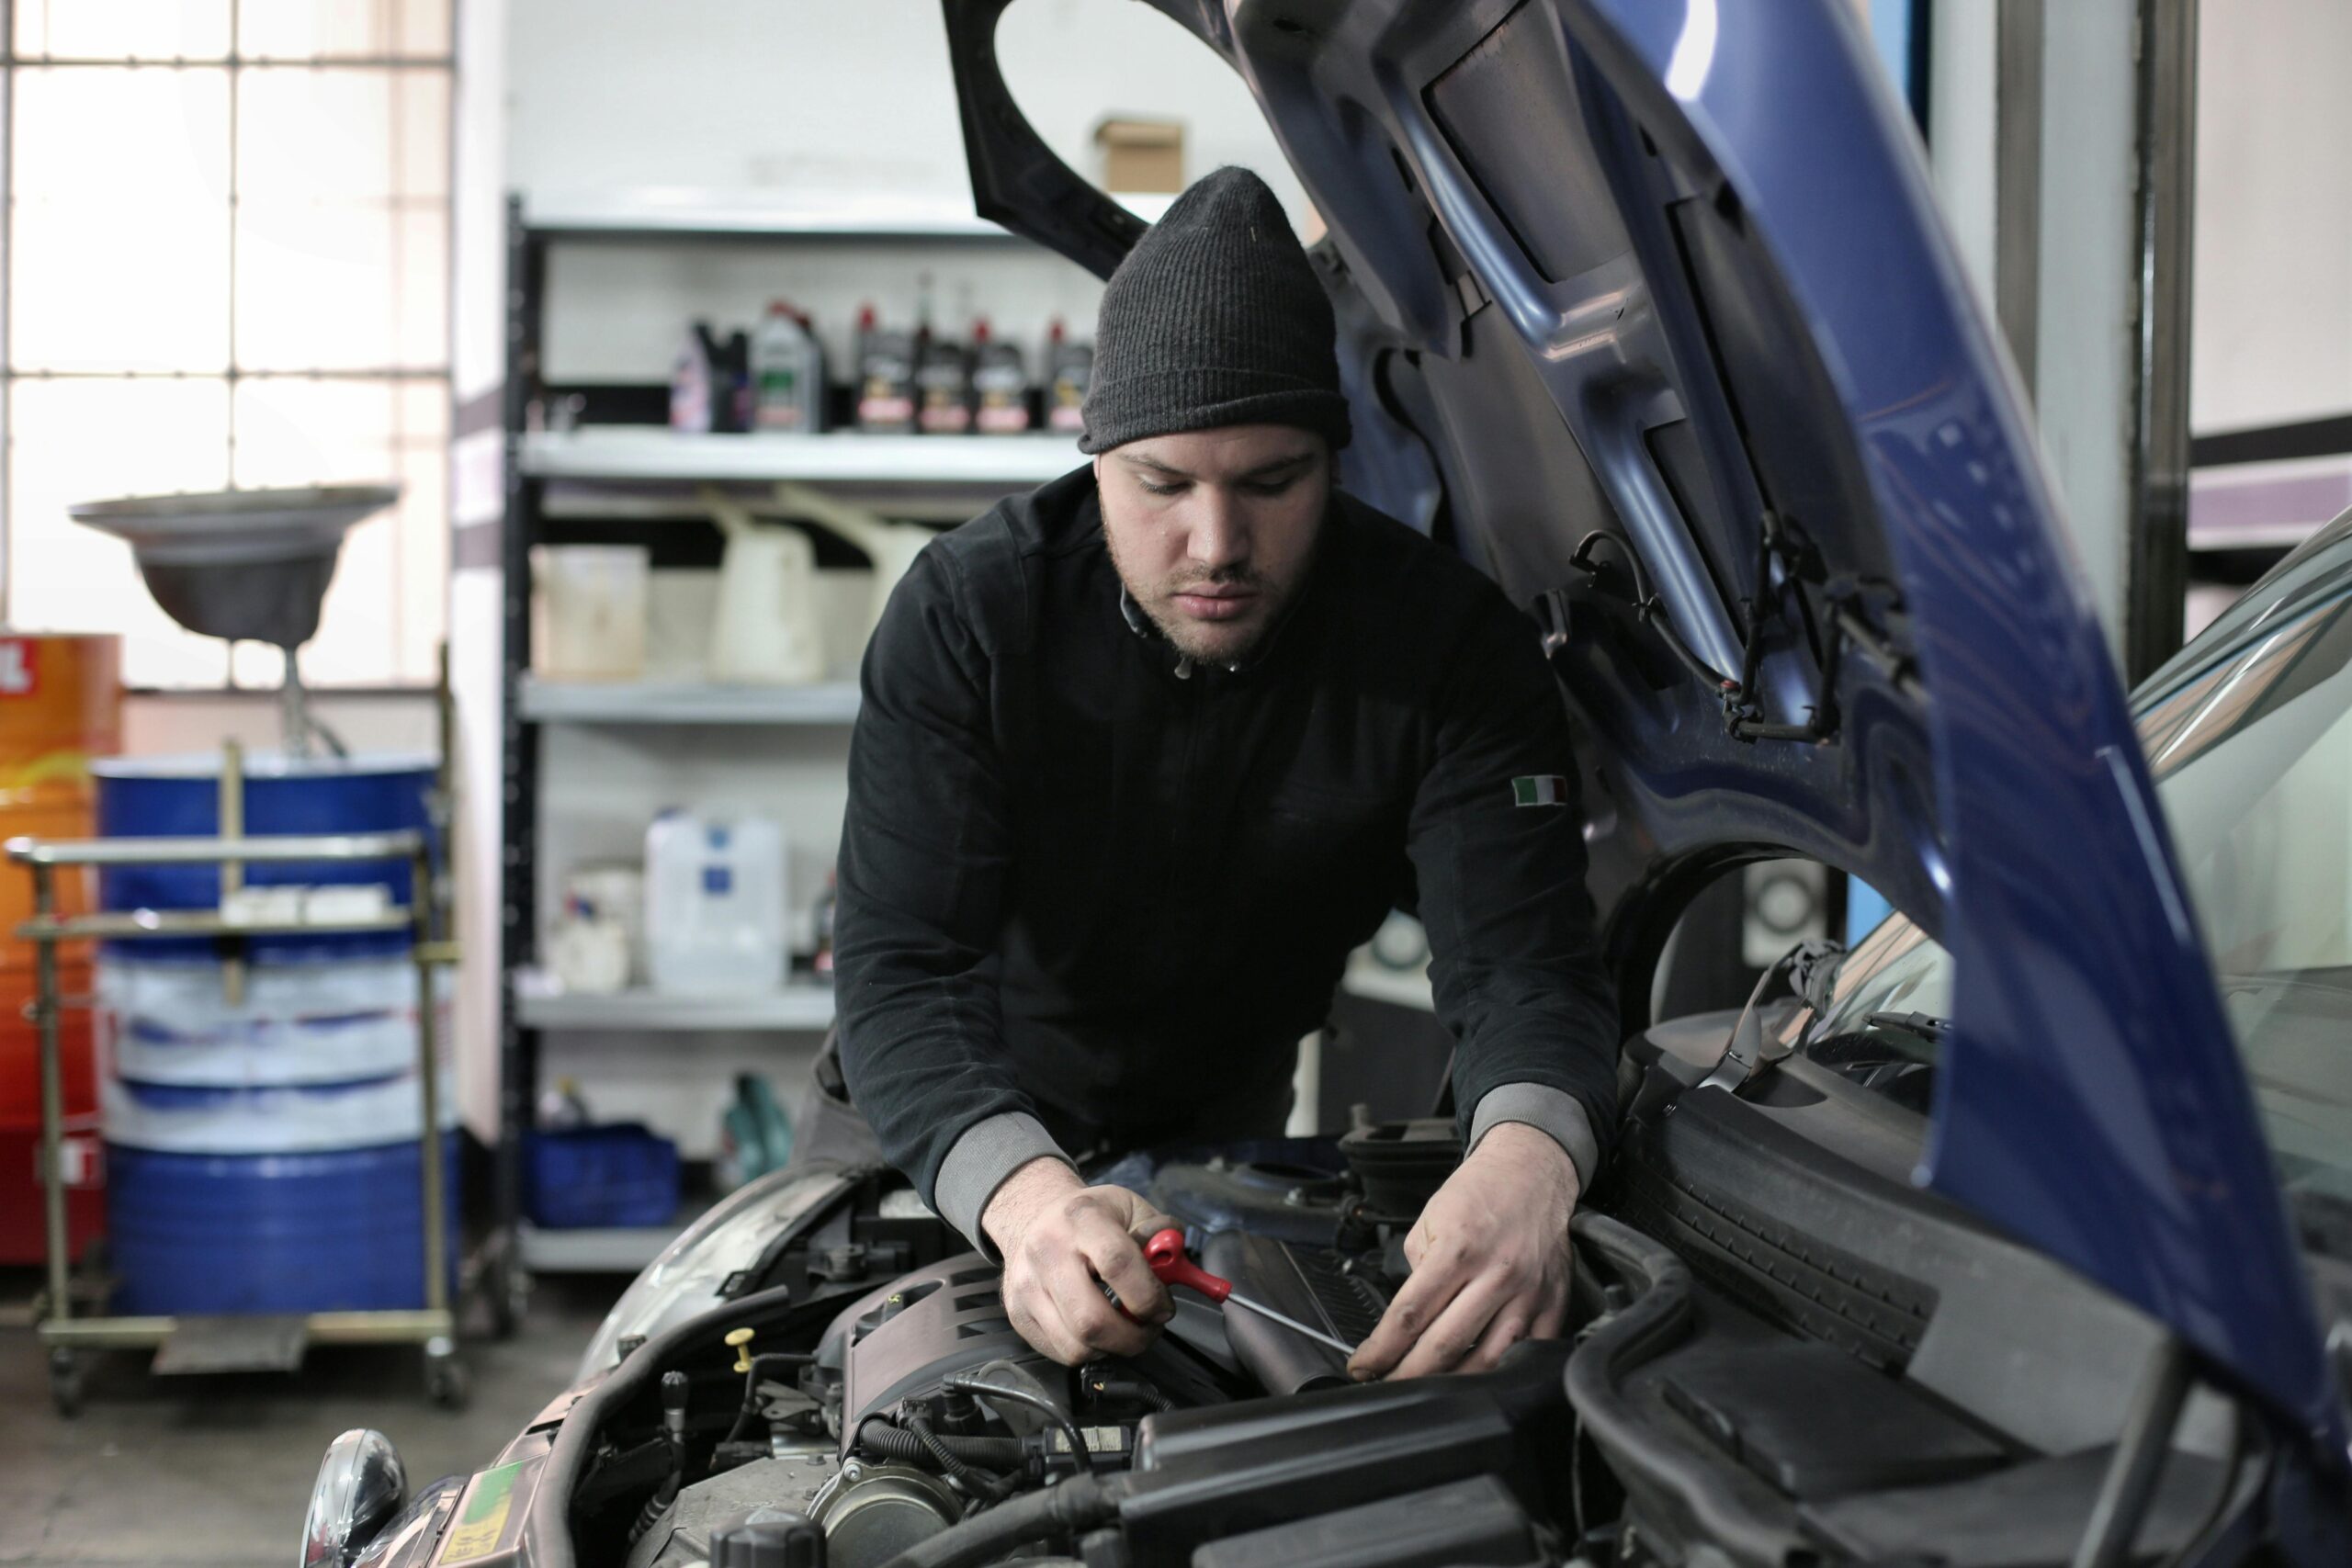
(1091, 895)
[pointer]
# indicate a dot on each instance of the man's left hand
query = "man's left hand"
(1490, 1261)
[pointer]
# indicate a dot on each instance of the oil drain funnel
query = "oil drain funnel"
(247, 565)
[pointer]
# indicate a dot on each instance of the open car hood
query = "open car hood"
(1645, 304)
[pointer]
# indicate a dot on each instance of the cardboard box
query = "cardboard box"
(1141, 155)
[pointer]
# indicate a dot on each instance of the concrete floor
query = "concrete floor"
(215, 1473)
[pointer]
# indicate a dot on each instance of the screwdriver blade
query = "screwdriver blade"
(1342, 1346)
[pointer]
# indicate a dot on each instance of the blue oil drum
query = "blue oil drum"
(262, 1154)
(337, 1230)
(180, 798)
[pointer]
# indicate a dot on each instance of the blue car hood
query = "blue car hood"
(1645, 303)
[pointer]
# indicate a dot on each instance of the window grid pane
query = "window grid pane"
(309, 30)
(123, 30)
(85, 440)
(338, 228)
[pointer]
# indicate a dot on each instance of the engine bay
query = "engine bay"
(861, 1398)
(914, 1404)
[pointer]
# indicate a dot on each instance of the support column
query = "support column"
(2158, 570)
(2063, 141)
(2086, 297)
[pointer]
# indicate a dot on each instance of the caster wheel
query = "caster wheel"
(509, 1289)
(65, 1383)
(518, 1294)
(444, 1376)
(502, 1288)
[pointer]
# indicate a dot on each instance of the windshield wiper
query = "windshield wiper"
(1808, 966)
(2323, 1222)
(1919, 1025)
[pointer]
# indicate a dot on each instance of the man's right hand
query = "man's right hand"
(1062, 1241)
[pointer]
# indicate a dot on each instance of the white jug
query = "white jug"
(592, 609)
(766, 631)
(892, 547)
(715, 903)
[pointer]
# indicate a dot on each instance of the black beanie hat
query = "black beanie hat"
(1215, 318)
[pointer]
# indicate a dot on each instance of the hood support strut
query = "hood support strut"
(1849, 625)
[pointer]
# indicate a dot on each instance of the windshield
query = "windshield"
(2253, 760)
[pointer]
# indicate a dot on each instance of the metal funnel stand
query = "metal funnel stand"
(247, 565)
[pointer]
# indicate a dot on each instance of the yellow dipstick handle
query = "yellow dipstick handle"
(741, 1339)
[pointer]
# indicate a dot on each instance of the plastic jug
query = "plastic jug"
(892, 546)
(787, 374)
(766, 631)
(592, 610)
(715, 905)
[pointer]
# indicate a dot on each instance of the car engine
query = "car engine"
(917, 1406)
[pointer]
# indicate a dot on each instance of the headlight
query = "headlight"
(688, 1275)
(360, 1487)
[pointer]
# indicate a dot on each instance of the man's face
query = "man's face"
(1213, 530)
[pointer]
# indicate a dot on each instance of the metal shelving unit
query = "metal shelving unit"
(797, 1006)
(647, 453)
(683, 702)
(642, 479)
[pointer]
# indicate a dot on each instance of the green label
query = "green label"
(481, 1522)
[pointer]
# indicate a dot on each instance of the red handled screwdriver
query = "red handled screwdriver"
(1165, 1253)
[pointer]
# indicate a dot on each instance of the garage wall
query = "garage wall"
(798, 101)
(810, 95)
(2272, 334)
(789, 102)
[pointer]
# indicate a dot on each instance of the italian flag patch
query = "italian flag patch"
(1540, 789)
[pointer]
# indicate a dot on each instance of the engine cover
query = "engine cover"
(902, 1340)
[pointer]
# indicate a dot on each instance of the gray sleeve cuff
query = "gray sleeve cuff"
(1555, 1113)
(978, 1164)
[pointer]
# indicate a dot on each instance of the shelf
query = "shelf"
(665, 213)
(686, 702)
(653, 453)
(1400, 988)
(130, 924)
(670, 212)
(800, 1006)
(612, 1249)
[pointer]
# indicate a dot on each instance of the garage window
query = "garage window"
(227, 263)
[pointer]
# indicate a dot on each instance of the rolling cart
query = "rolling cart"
(225, 1343)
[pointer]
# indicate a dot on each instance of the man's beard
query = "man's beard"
(1214, 642)
(1210, 643)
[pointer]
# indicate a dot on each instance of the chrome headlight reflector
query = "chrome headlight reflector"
(360, 1486)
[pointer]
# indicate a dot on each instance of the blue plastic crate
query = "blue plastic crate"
(620, 1173)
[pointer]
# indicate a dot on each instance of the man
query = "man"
(1142, 756)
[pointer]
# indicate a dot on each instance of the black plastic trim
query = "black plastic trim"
(2271, 443)
(1017, 181)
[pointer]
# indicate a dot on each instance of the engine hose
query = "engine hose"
(751, 1406)
(897, 1442)
(987, 1485)
(655, 1506)
(967, 1382)
(1079, 1503)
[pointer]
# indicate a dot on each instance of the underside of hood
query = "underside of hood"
(1646, 306)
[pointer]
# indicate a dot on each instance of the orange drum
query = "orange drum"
(20, 1047)
(20, 1191)
(61, 704)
